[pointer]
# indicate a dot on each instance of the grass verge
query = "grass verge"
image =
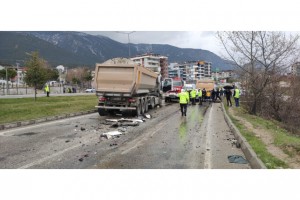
(256, 143)
(13, 110)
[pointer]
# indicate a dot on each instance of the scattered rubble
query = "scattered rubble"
(148, 116)
(237, 159)
(110, 134)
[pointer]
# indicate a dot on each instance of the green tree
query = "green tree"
(11, 73)
(36, 74)
(52, 74)
(88, 77)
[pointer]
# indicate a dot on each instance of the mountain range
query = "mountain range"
(72, 49)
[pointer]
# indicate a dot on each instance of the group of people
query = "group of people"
(185, 97)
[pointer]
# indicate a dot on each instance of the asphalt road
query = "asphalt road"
(166, 141)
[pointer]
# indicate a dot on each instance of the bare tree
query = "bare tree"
(259, 56)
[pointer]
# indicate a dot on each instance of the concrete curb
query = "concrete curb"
(45, 119)
(250, 155)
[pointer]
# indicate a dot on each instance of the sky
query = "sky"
(206, 40)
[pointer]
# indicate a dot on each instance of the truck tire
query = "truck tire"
(152, 103)
(146, 105)
(102, 112)
(143, 106)
(137, 112)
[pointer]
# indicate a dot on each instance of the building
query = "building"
(154, 62)
(295, 69)
(191, 71)
(173, 70)
(222, 75)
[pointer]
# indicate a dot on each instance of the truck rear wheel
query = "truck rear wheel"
(143, 106)
(137, 112)
(102, 112)
(146, 105)
(152, 103)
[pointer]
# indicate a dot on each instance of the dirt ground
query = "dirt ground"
(267, 138)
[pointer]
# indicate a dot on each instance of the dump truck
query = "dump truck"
(208, 84)
(123, 85)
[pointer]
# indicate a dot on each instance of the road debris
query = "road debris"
(122, 129)
(147, 116)
(237, 159)
(82, 129)
(111, 134)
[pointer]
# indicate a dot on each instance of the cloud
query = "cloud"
(183, 39)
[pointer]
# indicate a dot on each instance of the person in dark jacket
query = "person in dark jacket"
(213, 95)
(218, 95)
(204, 95)
(228, 94)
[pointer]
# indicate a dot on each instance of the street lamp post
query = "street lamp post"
(128, 33)
(17, 78)
(6, 81)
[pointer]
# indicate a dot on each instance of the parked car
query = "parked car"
(90, 90)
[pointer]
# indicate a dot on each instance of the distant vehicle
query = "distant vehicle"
(208, 84)
(52, 83)
(172, 87)
(189, 87)
(4, 82)
(90, 90)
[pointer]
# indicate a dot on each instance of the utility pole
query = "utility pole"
(128, 33)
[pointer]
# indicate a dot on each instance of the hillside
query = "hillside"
(76, 49)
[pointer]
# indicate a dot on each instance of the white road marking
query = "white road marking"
(140, 142)
(37, 162)
(207, 158)
(38, 125)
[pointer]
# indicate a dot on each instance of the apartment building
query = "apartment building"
(191, 71)
(223, 74)
(154, 62)
(295, 69)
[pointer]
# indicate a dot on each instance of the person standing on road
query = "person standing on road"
(203, 95)
(183, 101)
(236, 96)
(218, 95)
(228, 94)
(47, 90)
(193, 96)
(200, 96)
(213, 95)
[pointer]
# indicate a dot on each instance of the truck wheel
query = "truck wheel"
(143, 106)
(137, 112)
(146, 105)
(152, 103)
(102, 112)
